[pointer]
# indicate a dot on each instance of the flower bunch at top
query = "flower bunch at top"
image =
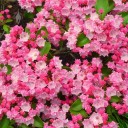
(29, 5)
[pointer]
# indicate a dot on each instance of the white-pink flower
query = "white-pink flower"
(96, 119)
(40, 42)
(33, 54)
(41, 65)
(25, 106)
(115, 77)
(87, 123)
(99, 103)
(24, 36)
(124, 56)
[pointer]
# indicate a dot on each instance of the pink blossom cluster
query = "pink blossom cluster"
(35, 82)
(63, 7)
(4, 15)
(92, 27)
(121, 5)
(29, 5)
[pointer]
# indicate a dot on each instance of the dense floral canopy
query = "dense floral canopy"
(91, 91)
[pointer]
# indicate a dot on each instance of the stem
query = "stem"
(2, 5)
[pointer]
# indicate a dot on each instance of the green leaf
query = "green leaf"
(106, 5)
(82, 40)
(38, 122)
(124, 119)
(9, 69)
(6, 28)
(125, 115)
(121, 123)
(67, 24)
(74, 112)
(1, 65)
(33, 105)
(45, 49)
(106, 71)
(4, 123)
(87, 16)
(115, 99)
(8, 20)
(27, 30)
(83, 113)
(102, 4)
(111, 110)
(28, 15)
(10, 127)
(111, 5)
(76, 106)
(39, 8)
(125, 17)
(24, 126)
(67, 68)
(127, 125)
(12, 122)
(111, 118)
(50, 55)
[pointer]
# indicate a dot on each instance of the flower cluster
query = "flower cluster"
(4, 15)
(36, 81)
(29, 5)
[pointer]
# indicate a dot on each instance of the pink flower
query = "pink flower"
(40, 42)
(101, 37)
(33, 54)
(58, 123)
(111, 65)
(57, 62)
(61, 115)
(87, 123)
(124, 56)
(96, 119)
(97, 62)
(113, 125)
(99, 103)
(13, 62)
(25, 106)
(54, 108)
(126, 100)
(24, 36)
(94, 16)
(81, 75)
(40, 65)
(65, 107)
(65, 12)
(116, 77)
(111, 91)
(114, 33)
(90, 25)
(99, 92)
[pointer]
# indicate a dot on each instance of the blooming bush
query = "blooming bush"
(68, 68)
